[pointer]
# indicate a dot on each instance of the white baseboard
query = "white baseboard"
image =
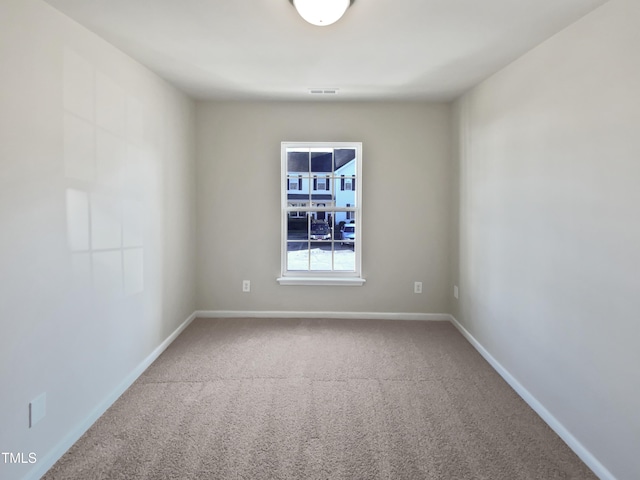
(585, 455)
(72, 437)
(347, 315)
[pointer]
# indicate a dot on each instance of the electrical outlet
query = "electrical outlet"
(246, 286)
(417, 287)
(37, 409)
(455, 291)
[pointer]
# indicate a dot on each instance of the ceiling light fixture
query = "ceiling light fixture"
(321, 12)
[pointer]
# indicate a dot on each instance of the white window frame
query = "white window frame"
(338, 278)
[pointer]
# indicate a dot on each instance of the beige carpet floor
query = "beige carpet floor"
(319, 399)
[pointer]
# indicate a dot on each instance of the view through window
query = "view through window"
(321, 209)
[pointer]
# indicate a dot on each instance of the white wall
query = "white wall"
(549, 227)
(97, 210)
(405, 182)
(98, 215)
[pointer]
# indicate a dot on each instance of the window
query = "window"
(298, 213)
(316, 249)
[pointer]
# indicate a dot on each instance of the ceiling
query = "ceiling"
(380, 50)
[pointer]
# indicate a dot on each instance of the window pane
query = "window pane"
(345, 256)
(298, 256)
(321, 256)
(298, 161)
(322, 161)
(322, 183)
(345, 194)
(341, 219)
(298, 190)
(346, 201)
(297, 228)
(348, 233)
(344, 156)
(320, 228)
(331, 220)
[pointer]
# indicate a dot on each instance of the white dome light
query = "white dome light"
(321, 12)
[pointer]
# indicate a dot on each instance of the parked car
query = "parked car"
(349, 232)
(320, 231)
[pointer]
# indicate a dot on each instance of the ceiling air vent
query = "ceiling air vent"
(323, 91)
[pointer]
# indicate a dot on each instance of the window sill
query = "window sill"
(330, 281)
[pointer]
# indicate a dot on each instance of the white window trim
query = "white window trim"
(336, 278)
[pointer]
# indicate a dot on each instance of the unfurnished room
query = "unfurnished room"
(319, 239)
